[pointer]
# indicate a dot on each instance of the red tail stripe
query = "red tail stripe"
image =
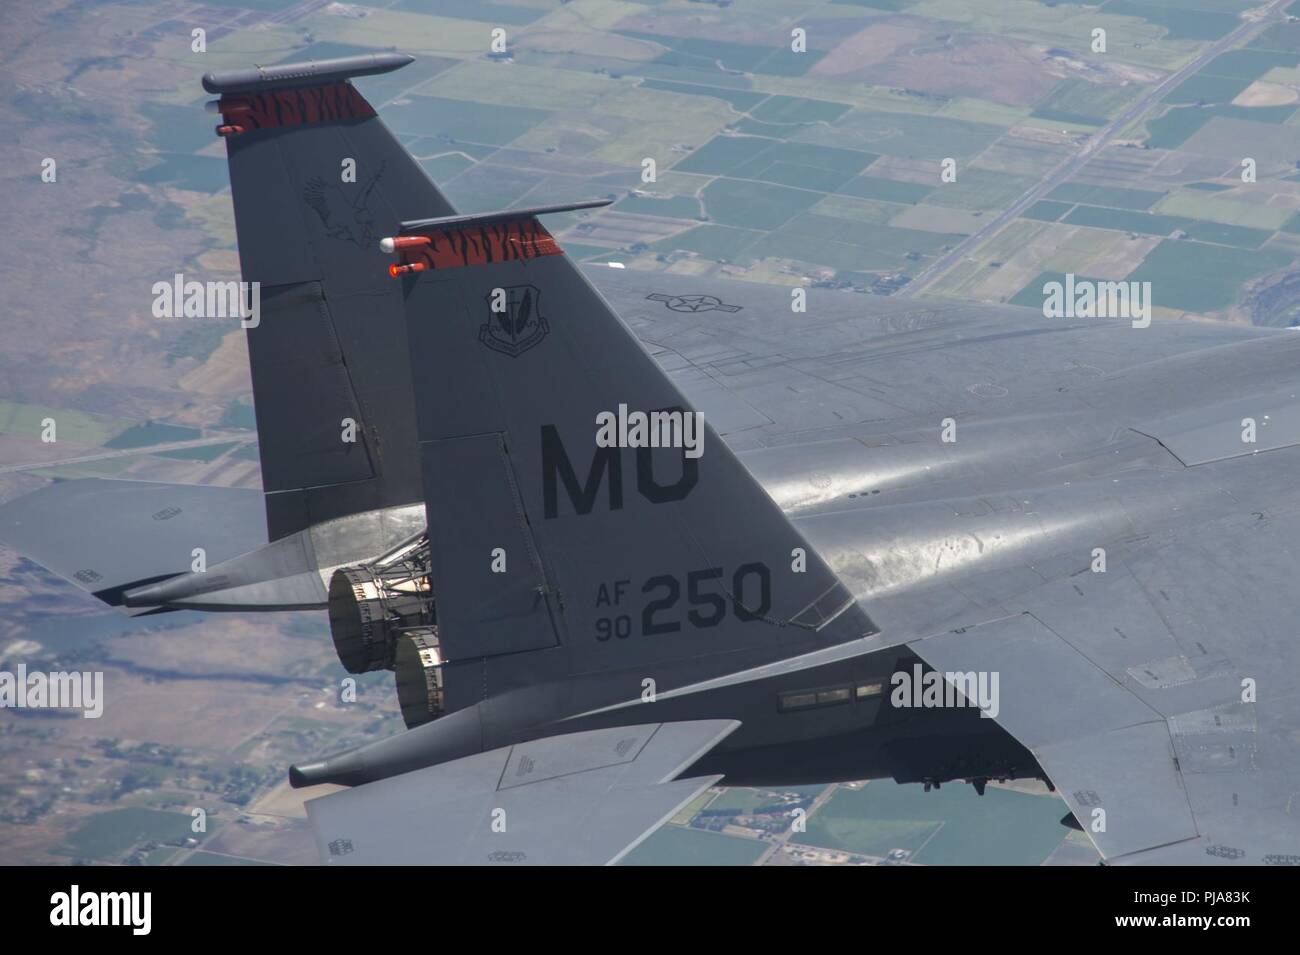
(481, 245)
(297, 107)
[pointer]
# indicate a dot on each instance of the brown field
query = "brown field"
(227, 644)
(31, 844)
(883, 39)
(1117, 165)
(1181, 167)
(285, 842)
(286, 803)
(1026, 151)
(938, 219)
(209, 714)
(905, 169)
(757, 28)
(1262, 93)
(610, 45)
(1120, 256)
(225, 375)
(621, 228)
(901, 55)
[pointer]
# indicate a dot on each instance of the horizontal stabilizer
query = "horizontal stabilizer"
(581, 799)
(110, 536)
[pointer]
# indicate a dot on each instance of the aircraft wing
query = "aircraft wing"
(761, 371)
(108, 536)
(584, 798)
(1161, 696)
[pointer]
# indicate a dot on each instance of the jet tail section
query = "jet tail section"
(627, 545)
(317, 180)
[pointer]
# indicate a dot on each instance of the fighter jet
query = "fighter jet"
(920, 541)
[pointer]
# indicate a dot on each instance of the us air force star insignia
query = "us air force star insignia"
(693, 303)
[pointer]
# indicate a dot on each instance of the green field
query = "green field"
(109, 834)
(198, 338)
(1249, 215)
(753, 157)
(851, 246)
(949, 826)
(926, 138)
(1117, 197)
(442, 168)
(1284, 37)
(239, 413)
(1046, 210)
(742, 799)
(207, 452)
(1205, 88)
(1248, 64)
(1032, 296)
(72, 426)
(1075, 101)
(151, 433)
(858, 210)
(740, 100)
(1143, 223)
(1179, 24)
(677, 845)
(216, 859)
(462, 119)
(891, 190)
(1219, 234)
(980, 189)
(721, 154)
(720, 243)
(754, 205)
(795, 110)
(1181, 123)
(1202, 278)
(674, 207)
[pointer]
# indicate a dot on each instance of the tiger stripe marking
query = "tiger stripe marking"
(482, 245)
(295, 107)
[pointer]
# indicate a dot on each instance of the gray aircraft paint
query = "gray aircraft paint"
(1125, 688)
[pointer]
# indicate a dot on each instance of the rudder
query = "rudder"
(317, 180)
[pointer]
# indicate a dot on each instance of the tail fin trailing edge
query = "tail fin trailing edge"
(316, 180)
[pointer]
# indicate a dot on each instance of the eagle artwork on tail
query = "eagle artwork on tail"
(345, 212)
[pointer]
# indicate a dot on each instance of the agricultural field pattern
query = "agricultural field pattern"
(942, 150)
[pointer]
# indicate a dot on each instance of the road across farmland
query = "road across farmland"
(1068, 167)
